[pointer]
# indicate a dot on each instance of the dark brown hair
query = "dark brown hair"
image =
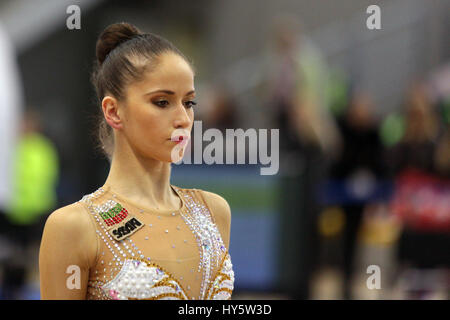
(123, 53)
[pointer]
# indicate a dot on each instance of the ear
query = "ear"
(110, 108)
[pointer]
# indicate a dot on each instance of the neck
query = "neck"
(141, 180)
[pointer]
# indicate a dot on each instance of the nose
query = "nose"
(182, 119)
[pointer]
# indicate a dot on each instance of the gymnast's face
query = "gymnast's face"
(159, 109)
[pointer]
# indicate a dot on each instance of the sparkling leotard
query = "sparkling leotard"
(148, 254)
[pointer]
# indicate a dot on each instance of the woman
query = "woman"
(138, 236)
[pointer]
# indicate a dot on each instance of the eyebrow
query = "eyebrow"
(169, 92)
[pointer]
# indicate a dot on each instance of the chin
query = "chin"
(171, 156)
(167, 158)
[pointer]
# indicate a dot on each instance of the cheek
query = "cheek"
(151, 127)
(143, 124)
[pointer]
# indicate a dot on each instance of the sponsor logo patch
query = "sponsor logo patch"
(120, 223)
(126, 228)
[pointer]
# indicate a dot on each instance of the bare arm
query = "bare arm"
(68, 250)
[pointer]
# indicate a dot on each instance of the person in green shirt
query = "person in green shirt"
(35, 177)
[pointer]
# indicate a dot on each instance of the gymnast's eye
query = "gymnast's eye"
(161, 103)
(190, 104)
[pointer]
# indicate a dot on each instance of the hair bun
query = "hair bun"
(112, 36)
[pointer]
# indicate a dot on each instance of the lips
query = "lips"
(180, 136)
(179, 139)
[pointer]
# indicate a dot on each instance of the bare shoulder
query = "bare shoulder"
(72, 227)
(72, 217)
(217, 204)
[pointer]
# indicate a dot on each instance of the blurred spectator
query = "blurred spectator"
(419, 163)
(359, 168)
(418, 143)
(296, 93)
(36, 173)
(298, 89)
(34, 197)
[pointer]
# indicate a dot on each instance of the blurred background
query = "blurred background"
(364, 119)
